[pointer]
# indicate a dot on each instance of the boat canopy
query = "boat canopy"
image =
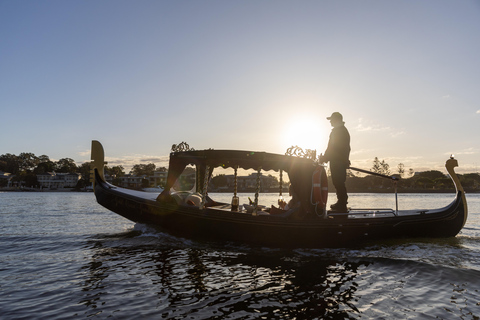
(299, 169)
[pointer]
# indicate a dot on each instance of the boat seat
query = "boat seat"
(194, 199)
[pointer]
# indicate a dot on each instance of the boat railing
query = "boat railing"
(371, 209)
(393, 178)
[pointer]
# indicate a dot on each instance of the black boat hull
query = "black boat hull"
(269, 230)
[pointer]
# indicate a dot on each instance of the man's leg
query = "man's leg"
(339, 176)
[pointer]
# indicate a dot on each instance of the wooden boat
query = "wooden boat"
(195, 215)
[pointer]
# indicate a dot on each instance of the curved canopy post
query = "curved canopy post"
(235, 200)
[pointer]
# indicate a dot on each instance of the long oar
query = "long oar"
(374, 173)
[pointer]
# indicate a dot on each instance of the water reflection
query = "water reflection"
(159, 276)
(292, 287)
(177, 281)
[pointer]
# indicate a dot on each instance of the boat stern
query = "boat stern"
(98, 161)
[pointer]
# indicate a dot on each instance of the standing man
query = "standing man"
(338, 153)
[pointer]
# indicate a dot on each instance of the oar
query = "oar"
(374, 173)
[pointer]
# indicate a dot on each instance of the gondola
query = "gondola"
(195, 215)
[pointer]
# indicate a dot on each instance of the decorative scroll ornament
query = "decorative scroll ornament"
(296, 151)
(183, 146)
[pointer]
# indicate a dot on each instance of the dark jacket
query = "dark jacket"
(338, 149)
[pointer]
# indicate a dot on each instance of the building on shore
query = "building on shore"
(248, 183)
(53, 180)
(186, 181)
(159, 178)
(132, 182)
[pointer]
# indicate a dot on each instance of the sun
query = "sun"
(306, 133)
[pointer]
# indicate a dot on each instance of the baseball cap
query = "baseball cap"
(335, 115)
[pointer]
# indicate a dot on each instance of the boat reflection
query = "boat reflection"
(196, 280)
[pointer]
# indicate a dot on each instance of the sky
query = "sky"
(140, 76)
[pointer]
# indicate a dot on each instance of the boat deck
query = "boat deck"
(353, 213)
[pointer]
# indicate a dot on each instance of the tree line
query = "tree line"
(26, 166)
(431, 180)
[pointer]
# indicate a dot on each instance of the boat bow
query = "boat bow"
(450, 166)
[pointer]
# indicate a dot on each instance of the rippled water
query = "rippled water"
(64, 256)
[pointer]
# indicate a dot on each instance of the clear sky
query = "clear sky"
(140, 76)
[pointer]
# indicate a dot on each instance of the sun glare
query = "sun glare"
(307, 133)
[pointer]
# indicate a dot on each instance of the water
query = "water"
(63, 256)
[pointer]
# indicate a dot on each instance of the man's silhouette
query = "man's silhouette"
(338, 153)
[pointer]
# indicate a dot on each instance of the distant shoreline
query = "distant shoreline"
(42, 190)
(248, 192)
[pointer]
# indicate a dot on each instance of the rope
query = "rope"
(235, 182)
(205, 185)
(281, 182)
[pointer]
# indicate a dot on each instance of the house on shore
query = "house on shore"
(249, 183)
(131, 181)
(159, 178)
(53, 180)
